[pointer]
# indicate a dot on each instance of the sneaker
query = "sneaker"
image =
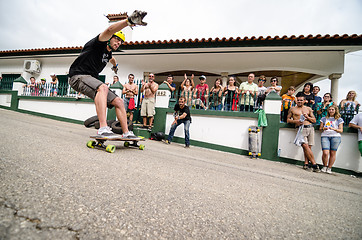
(329, 170)
(167, 142)
(307, 168)
(316, 169)
(324, 169)
(106, 132)
(187, 146)
(129, 135)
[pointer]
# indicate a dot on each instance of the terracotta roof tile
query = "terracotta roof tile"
(117, 17)
(336, 39)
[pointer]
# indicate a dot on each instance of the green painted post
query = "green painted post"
(270, 137)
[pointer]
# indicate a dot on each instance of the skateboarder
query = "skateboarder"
(84, 72)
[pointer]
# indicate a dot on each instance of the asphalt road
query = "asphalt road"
(53, 187)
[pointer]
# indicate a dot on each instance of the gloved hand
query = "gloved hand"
(136, 18)
(115, 69)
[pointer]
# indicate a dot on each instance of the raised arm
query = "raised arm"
(136, 18)
(108, 33)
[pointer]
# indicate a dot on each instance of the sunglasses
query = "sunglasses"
(273, 81)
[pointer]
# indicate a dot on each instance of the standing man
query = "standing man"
(171, 85)
(148, 102)
(356, 122)
(182, 115)
(115, 79)
(84, 73)
(295, 116)
(248, 90)
(130, 90)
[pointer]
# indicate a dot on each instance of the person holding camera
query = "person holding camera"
(321, 107)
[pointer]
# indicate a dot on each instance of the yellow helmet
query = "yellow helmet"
(120, 35)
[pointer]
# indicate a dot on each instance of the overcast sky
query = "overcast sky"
(29, 24)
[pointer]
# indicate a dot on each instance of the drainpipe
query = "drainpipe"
(117, 88)
(270, 136)
(163, 96)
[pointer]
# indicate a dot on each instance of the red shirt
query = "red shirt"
(201, 91)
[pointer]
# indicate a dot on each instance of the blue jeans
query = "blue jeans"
(330, 143)
(186, 128)
(246, 108)
(217, 108)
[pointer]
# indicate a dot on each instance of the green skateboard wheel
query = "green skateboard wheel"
(111, 148)
(90, 144)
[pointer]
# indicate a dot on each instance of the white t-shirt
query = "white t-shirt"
(261, 90)
(357, 120)
(331, 122)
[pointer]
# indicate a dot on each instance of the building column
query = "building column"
(334, 85)
(145, 76)
(224, 77)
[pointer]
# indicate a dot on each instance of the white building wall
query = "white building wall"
(223, 131)
(5, 100)
(348, 155)
(73, 110)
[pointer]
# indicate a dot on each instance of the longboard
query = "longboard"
(254, 140)
(99, 143)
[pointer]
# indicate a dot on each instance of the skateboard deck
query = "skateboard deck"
(254, 142)
(99, 142)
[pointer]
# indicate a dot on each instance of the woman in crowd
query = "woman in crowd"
(274, 86)
(231, 95)
(308, 95)
(321, 107)
(349, 104)
(216, 95)
(187, 86)
(332, 127)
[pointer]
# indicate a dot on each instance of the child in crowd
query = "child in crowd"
(332, 127)
(288, 101)
(53, 85)
(42, 87)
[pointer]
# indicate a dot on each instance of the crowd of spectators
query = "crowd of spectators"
(246, 96)
(306, 109)
(42, 88)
